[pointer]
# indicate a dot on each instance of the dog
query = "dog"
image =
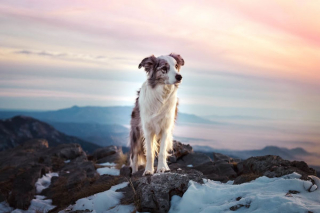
(154, 113)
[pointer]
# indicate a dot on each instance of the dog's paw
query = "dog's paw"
(147, 172)
(162, 170)
(167, 167)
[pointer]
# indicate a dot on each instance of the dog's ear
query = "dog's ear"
(148, 63)
(178, 58)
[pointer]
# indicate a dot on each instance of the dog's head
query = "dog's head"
(163, 69)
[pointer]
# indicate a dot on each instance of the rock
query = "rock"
(23, 165)
(239, 168)
(245, 178)
(221, 157)
(111, 158)
(221, 172)
(104, 151)
(194, 159)
(62, 195)
(271, 166)
(153, 193)
(238, 206)
(180, 149)
(126, 171)
(36, 143)
(227, 169)
(172, 159)
(23, 187)
(107, 154)
(68, 151)
(312, 183)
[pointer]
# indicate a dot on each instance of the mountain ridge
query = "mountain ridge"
(94, 114)
(19, 129)
(285, 153)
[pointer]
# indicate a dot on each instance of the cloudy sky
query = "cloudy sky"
(249, 58)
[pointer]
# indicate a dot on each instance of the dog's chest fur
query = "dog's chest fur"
(157, 106)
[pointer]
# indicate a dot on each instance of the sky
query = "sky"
(242, 58)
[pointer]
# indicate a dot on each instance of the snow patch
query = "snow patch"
(109, 169)
(39, 204)
(263, 195)
(190, 165)
(107, 164)
(67, 161)
(106, 201)
(44, 182)
(122, 209)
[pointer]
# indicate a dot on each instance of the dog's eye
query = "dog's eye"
(177, 66)
(164, 70)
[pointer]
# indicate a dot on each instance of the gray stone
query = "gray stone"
(180, 149)
(68, 151)
(271, 166)
(153, 193)
(194, 159)
(104, 151)
(172, 159)
(219, 157)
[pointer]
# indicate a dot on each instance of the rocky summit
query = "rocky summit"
(79, 176)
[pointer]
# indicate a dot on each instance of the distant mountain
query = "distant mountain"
(232, 117)
(75, 114)
(17, 130)
(100, 134)
(120, 115)
(288, 154)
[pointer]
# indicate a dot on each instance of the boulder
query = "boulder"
(107, 154)
(36, 144)
(271, 166)
(194, 159)
(68, 151)
(23, 187)
(218, 172)
(180, 149)
(153, 193)
(221, 157)
(22, 166)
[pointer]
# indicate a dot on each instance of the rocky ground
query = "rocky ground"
(78, 176)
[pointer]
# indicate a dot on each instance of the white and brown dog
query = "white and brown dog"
(155, 111)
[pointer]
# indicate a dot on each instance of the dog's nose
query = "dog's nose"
(178, 77)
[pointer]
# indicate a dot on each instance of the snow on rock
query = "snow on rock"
(44, 182)
(261, 195)
(4, 207)
(103, 201)
(190, 165)
(67, 161)
(107, 164)
(38, 204)
(122, 209)
(109, 169)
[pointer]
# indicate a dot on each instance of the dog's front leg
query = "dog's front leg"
(162, 158)
(149, 170)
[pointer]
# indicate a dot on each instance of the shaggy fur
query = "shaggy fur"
(155, 111)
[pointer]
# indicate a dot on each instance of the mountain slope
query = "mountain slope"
(17, 130)
(100, 134)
